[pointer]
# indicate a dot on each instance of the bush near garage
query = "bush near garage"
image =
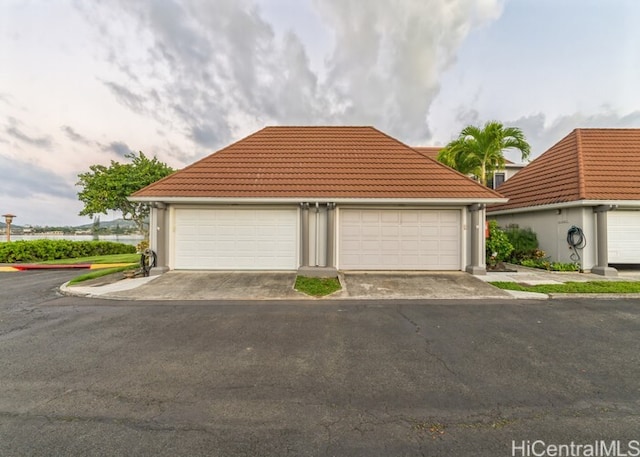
(524, 242)
(498, 247)
(42, 250)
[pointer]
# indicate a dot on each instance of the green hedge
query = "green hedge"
(41, 250)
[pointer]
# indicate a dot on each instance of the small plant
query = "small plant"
(142, 245)
(317, 287)
(546, 264)
(498, 246)
(559, 266)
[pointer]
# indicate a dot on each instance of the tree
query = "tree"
(107, 188)
(95, 228)
(479, 150)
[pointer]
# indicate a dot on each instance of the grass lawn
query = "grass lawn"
(317, 287)
(592, 287)
(132, 259)
(115, 258)
(99, 273)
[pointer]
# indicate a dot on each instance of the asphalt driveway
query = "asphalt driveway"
(90, 377)
(208, 285)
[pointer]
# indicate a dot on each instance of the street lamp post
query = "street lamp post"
(8, 219)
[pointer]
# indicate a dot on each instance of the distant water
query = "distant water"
(126, 239)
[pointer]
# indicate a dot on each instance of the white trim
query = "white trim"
(342, 200)
(572, 204)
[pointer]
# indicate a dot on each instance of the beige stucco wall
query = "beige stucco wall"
(551, 228)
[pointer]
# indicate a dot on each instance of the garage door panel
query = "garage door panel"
(449, 218)
(390, 217)
(236, 239)
(369, 217)
(389, 231)
(408, 217)
(410, 231)
(624, 236)
(400, 239)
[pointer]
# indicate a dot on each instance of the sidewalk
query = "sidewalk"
(533, 277)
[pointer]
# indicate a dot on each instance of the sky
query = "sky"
(86, 82)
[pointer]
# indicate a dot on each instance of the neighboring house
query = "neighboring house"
(499, 176)
(352, 198)
(590, 180)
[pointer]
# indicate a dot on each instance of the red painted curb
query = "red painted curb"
(23, 267)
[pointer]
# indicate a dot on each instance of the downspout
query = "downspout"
(331, 218)
(317, 263)
(305, 234)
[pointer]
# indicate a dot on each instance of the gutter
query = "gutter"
(621, 204)
(342, 200)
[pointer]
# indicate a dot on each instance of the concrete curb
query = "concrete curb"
(557, 295)
(105, 290)
(73, 266)
(520, 294)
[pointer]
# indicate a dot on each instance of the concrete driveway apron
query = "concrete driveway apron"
(216, 285)
(416, 285)
(196, 285)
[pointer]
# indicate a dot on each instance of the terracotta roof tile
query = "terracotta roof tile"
(319, 162)
(587, 164)
(429, 151)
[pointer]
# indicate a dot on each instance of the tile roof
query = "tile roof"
(318, 162)
(587, 164)
(429, 151)
(433, 151)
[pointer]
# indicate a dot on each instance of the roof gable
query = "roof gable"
(318, 162)
(587, 164)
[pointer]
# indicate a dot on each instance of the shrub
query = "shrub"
(498, 246)
(41, 250)
(525, 243)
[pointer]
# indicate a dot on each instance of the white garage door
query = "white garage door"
(399, 239)
(623, 236)
(236, 239)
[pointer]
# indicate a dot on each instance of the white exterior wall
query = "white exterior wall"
(317, 230)
(153, 229)
(551, 226)
(465, 239)
(510, 171)
(318, 235)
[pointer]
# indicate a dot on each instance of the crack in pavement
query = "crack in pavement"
(427, 349)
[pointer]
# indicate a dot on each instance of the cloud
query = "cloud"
(23, 180)
(119, 148)
(133, 101)
(74, 136)
(543, 133)
(387, 60)
(38, 141)
(214, 70)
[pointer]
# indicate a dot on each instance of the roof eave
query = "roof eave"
(563, 205)
(342, 200)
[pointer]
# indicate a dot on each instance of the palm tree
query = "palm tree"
(479, 151)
